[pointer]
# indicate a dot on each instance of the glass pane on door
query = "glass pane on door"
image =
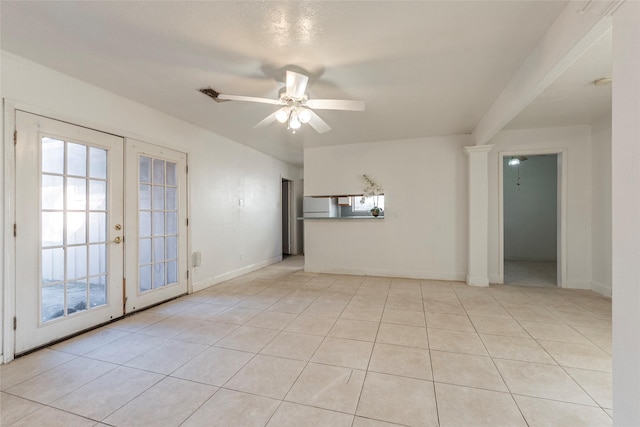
(158, 223)
(73, 228)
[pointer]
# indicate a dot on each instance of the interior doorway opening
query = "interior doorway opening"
(531, 219)
(287, 246)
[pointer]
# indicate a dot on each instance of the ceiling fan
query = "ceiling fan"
(296, 107)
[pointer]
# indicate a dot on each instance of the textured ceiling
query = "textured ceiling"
(424, 68)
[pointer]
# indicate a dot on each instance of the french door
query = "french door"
(156, 200)
(91, 247)
(69, 227)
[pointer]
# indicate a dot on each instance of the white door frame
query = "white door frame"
(562, 207)
(133, 148)
(293, 235)
(8, 263)
(8, 291)
(290, 217)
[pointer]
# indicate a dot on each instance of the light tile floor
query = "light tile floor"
(280, 347)
(531, 273)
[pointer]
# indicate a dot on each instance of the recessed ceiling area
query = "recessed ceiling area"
(423, 68)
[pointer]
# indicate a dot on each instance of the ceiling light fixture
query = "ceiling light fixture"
(516, 161)
(304, 115)
(282, 115)
(603, 81)
(294, 121)
(294, 106)
(295, 116)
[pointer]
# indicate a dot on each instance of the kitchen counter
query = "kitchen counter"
(334, 218)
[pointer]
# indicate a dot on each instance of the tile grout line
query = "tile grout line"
(433, 377)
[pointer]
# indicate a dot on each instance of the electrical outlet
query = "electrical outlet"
(241, 202)
(197, 259)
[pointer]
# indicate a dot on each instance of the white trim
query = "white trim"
(9, 267)
(479, 281)
(453, 277)
(478, 148)
(190, 266)
(601, 289)
(562, 198)
(291, 217)
(578, 284)
(206, 283)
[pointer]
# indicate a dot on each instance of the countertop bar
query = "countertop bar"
(334, 218)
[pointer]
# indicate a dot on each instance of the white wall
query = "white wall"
(576, 141)
(625, 202)
(424, 232)
(601, 206)
(530, 209)
(233, 239)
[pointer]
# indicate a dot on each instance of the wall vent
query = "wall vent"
(212, 94)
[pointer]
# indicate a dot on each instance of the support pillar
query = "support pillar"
(478, 256)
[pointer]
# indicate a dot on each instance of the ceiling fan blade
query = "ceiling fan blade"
(335, 104)
(266, 121)
(318, 124)
(296, 85)
(225, 97)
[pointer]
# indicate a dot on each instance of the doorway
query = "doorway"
(286, 217)
(531, 221)
(74, 269)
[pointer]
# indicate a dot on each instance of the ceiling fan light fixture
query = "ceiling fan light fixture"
(304, 115)
(294, 106)
(282, 115)
(294, 121)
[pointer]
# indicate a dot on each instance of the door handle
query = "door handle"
(118, 240)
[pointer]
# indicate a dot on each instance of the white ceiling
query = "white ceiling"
(424, 68)
(573, 99)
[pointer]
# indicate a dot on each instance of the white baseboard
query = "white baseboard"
(211, 281)
(480, 281)
(455, 277)
(601, 289)
(577, 284)
(495, 279)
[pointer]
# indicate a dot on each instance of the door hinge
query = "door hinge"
(15, 137)
(186, 168)
(187, 222)
(187, 274)
(15, 230)
(15, 323)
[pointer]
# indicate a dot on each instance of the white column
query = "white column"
(625, 177)
(478, 270)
